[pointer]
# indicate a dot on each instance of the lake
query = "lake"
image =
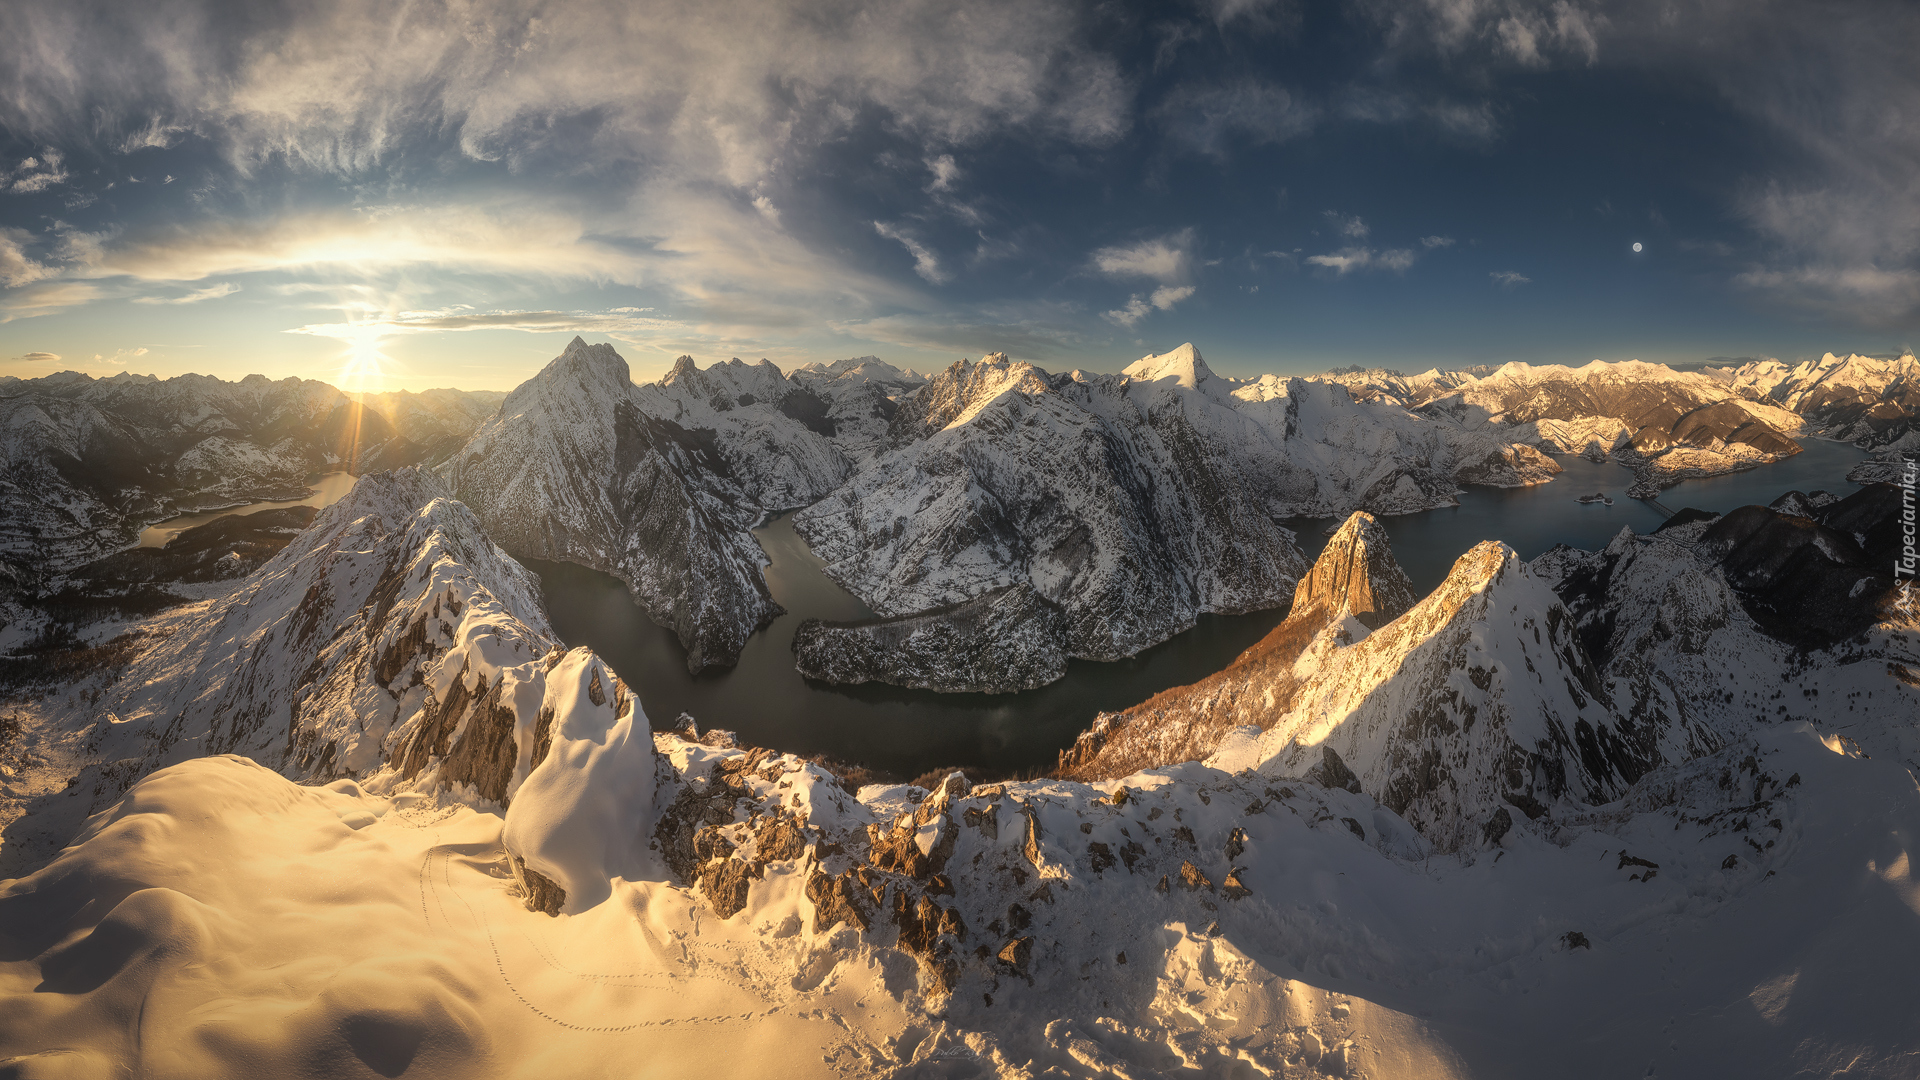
(909, 732)
(328, 488)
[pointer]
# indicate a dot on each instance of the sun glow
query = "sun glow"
(364, 366)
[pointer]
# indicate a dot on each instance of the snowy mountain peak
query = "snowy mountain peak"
(597, 365)
(1356, 572)
(1183, 365)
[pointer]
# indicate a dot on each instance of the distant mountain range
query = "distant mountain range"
(1122, 506)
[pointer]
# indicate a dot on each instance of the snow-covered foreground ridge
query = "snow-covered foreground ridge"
(705, 907)
(1751, 913)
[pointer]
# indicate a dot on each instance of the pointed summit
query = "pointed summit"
(1357, 572)
(1183, 365)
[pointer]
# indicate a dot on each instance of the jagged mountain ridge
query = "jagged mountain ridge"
(392, 610)
(1664, 424)
(1135, 501)
(1355, 577)
(1864, 400)
(86, 463)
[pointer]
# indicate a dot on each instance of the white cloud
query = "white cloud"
(45, 298)
(1351, 259)
(1139, 307)
(1509, 279)
(211, 292)
(1346, 226)
(925, 262)
(1431, 242)
(1167, 259)
(18, 268)
(35, 174)
(944, 171)
(724, 90)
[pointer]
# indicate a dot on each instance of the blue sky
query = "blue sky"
(444, 193)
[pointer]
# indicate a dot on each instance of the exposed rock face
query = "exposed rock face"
(390, 630)
(85, 463)
(1356, 573)
(1355, 576)
(1101, 495)
(998, 643)
(572, 469)
(1480, 695)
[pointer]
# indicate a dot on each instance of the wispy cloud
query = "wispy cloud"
(925, 262)
(1432, 242)
(211, 292)
(1167, 259)
(1344, 225)
(1139, 307)
(38, 357)
(35, 174)
(1509, 279)
(1351, 259)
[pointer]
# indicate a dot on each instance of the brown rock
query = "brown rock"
(1191, 877)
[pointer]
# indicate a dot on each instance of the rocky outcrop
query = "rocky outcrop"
(1356, 574)
(998, 643)
(1355, 578)
(1100, 496)
(572, 469)
(1480, 696)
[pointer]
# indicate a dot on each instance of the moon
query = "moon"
(1636, 247)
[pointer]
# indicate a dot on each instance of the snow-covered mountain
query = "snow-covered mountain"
(1132, 502)
(509, 863)
(439, 420)
(572, 469)
(1521, 685)
(1393, 388)
(1666, 425)
(1859, 399)
(1355, 580)
(353, 632)
(86, 463)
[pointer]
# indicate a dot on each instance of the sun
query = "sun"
(365, 365)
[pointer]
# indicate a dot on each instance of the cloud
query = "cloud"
(39, 357)
(1139, 307)
(1509, 279)
(1252, 110)
(17, 268)
(1431, 242)
(35, 174)
(724, 90)
(1346, 226)
(1351, 259)
(45, 298)
(532, 322)
(1167, 259)
(211, 292)
(925, 263)
(944, 171)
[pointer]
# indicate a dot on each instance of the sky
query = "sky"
(444, 192)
